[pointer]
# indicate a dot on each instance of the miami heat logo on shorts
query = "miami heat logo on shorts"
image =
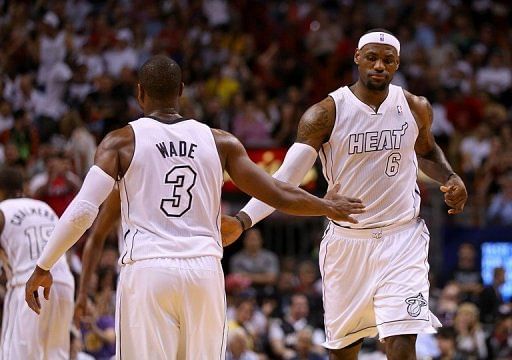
(414, 304)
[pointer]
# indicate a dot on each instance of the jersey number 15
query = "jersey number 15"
(37, 237)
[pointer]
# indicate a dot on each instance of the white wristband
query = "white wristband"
(78, 217)
(297, 162)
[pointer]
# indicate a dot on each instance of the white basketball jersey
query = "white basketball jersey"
(28, 226)
(371, 155)
(170, 194)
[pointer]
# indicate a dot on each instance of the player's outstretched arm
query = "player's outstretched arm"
(314, 129)
(285, 197)
(108, 216)
(111, 160)
(431, 158)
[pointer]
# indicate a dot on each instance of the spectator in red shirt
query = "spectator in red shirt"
(58, 185)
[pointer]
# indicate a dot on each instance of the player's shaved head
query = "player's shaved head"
(11, 181)
(160, 77)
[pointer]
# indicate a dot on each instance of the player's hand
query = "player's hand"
(342, 207)
(230, 229)
(80, 309)
(455, 194)
(38, 278)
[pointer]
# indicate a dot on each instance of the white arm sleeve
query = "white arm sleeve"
(296, 164)
(78, 217)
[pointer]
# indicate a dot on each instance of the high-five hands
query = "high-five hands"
(340, 209)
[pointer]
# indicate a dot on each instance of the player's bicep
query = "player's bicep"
(115, 152)
(316, 124)
(107, 157)
(425, 143)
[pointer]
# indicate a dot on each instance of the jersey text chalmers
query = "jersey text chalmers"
(20, 215)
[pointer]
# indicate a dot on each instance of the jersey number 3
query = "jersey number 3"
(181, 179)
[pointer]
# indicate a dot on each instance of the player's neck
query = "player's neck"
(169, 106)
(161, 113)
(372, 98)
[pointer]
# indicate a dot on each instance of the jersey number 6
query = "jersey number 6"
(181, 179)
(393, 164)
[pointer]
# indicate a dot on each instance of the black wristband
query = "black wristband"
(241, 222)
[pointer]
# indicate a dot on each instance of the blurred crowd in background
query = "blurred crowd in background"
(68, 75)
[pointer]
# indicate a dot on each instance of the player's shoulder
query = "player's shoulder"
(419, 105)
(417, 101)
(321, 113)
(196, 125)
(23, 202)
(227, 144)
(118, 138)
(13, 202)
(120, 132)
(224, 138)
(317, 123)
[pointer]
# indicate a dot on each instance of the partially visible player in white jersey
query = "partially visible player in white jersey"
(107, 221)
(372, 138)
(171, 300)
(25, 227)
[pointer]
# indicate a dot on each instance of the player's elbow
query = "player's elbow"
(82, 213)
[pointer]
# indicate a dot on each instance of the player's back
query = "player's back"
(28, 226)
(170, 194)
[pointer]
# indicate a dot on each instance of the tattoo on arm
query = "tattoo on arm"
(316, 124)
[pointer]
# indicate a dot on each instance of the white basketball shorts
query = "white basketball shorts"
(170, 309)
(25, 335)
(375, 282)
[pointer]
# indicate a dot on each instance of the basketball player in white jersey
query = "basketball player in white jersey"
(25, 226)
(106, 221)
(171, 300)
(372, 137)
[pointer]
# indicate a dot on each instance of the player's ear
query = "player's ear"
(357, 56)
(140, 94)
(182, 86)
(397, 62)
